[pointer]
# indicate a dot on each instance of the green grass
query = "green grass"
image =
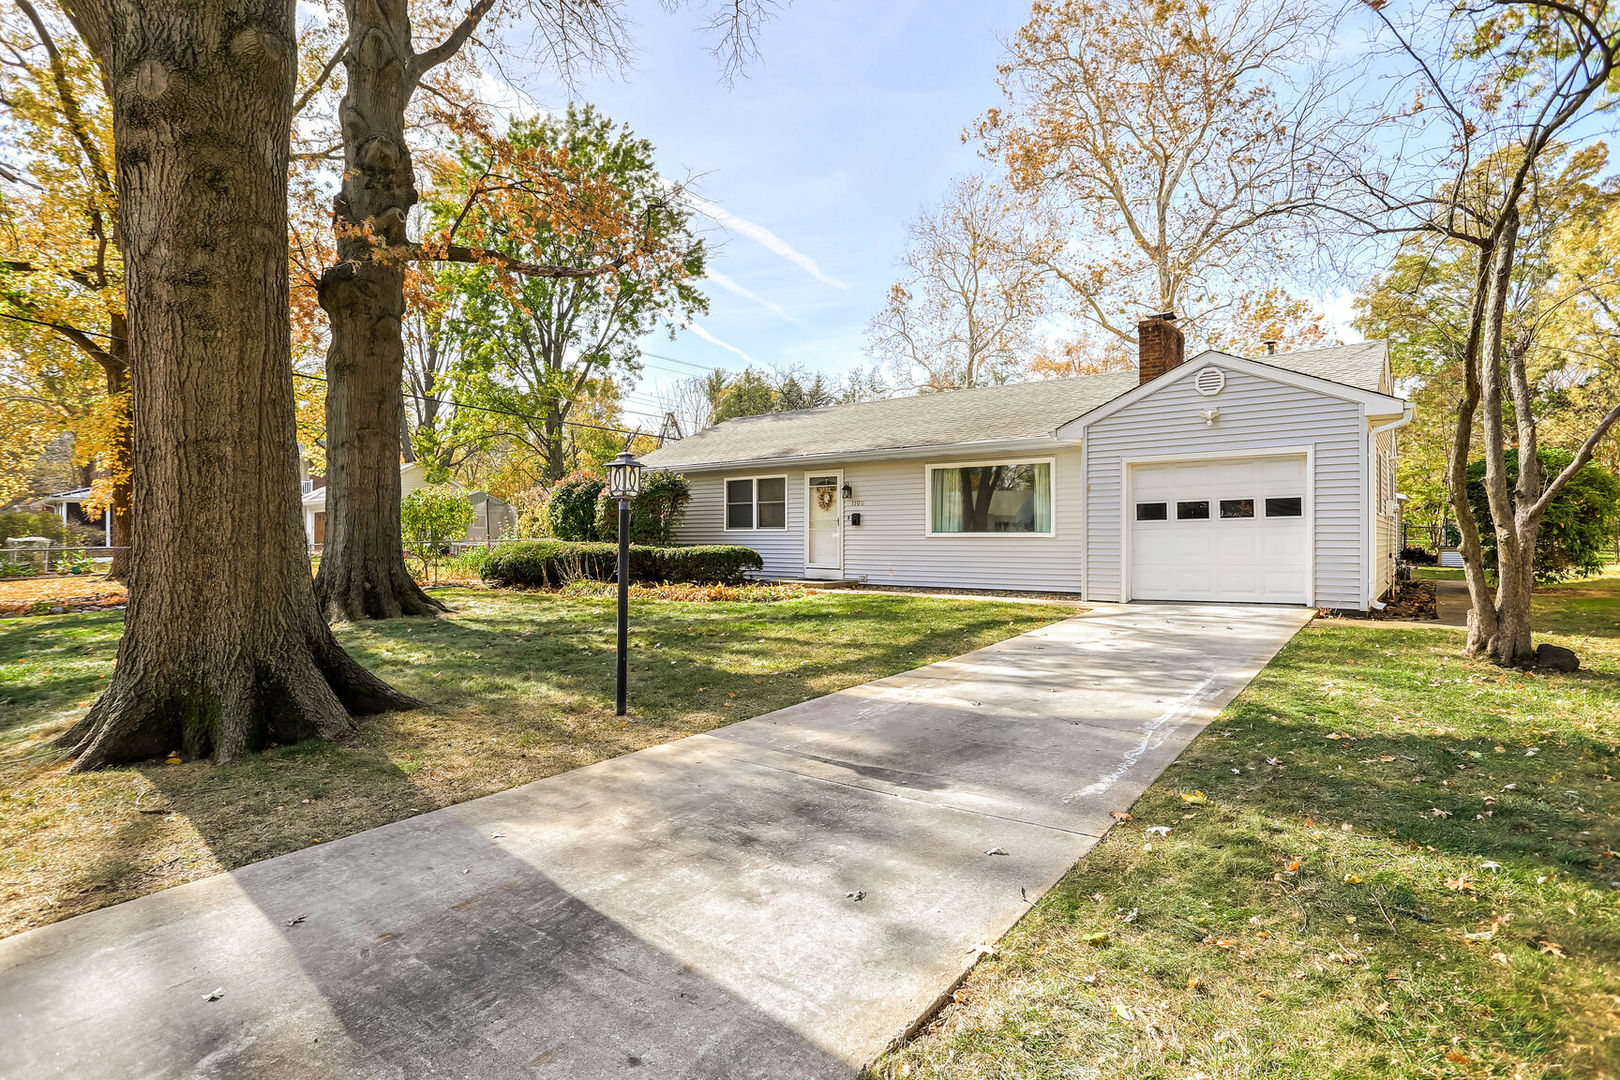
(1437, 573)
(520, 686)
(1405, 867)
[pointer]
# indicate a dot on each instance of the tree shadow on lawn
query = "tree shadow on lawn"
(53, 661)
(728, 661)
(1482, 781)
(515, 696)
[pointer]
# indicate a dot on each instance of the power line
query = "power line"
(686, 363)
(496, 412)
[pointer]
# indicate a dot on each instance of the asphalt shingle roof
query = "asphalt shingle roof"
(1360, 365)
(984, 415)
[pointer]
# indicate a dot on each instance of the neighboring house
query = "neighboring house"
(494, 517)
(69, 506)
(1219, 478)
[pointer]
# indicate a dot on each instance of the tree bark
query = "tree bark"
(363, 573)
(121, 505)
(1510, 643)
(1482, 611)
(224, 650)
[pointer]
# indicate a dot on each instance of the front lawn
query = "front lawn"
(520, 686)
(1402, 864)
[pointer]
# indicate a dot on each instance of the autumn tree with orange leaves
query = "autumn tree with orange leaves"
(540, 352)
(1167, 144)
(64, 365)
(391, 53)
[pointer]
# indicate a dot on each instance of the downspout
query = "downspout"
(1408, 413)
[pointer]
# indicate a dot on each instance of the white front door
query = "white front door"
(824, 525)
(1223, 529)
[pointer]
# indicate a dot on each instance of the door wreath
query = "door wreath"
(825, 497)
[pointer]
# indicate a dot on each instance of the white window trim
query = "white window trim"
(928, 499)
(725, 503)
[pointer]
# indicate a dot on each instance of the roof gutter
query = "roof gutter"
(943, 451)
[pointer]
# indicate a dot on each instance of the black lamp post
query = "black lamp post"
(624, 484)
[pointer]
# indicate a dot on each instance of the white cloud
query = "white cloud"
(508, 101)
(1340, 309)
(762, 236)
(712, 340)
(748, 294)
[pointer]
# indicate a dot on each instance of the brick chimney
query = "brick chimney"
(1160, 345)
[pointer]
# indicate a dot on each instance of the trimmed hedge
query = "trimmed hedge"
(549, 564)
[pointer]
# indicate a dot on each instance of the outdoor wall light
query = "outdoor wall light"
(624, 484)
(849, 492)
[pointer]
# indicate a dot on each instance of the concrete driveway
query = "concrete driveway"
(781, 898)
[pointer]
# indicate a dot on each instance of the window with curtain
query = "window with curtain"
(1010, 498)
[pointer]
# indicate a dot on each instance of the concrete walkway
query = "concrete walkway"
(1451, 602)
(780, 898)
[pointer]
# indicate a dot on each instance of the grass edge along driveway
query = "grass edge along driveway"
(520, 687)
(1381, 860)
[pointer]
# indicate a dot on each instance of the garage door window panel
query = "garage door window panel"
(1192, 511)
(1288, 507)
(1237, 508)
(1153, 511)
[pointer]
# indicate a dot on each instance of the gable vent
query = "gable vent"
(1210, 381)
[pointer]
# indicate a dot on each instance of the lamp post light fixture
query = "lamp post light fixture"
(624, 484)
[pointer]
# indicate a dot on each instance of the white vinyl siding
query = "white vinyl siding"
(1386, 520)
(1256, 415)
(891, 545)
(705, 519)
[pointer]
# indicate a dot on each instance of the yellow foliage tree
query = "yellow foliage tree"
(63, 349)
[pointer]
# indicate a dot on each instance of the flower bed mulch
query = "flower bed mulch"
(55, 594)
(1409, 601)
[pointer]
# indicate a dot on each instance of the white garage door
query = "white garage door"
(1231, 529)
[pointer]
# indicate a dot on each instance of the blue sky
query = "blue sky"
(816, 160)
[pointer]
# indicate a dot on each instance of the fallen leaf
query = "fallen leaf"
(1352, 879)
(1552, 948)
(1195, 798)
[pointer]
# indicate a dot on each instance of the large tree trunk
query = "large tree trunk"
(121, 506)
(1509, 640)
(224, 650)
(363, 573)
(1482, 611)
